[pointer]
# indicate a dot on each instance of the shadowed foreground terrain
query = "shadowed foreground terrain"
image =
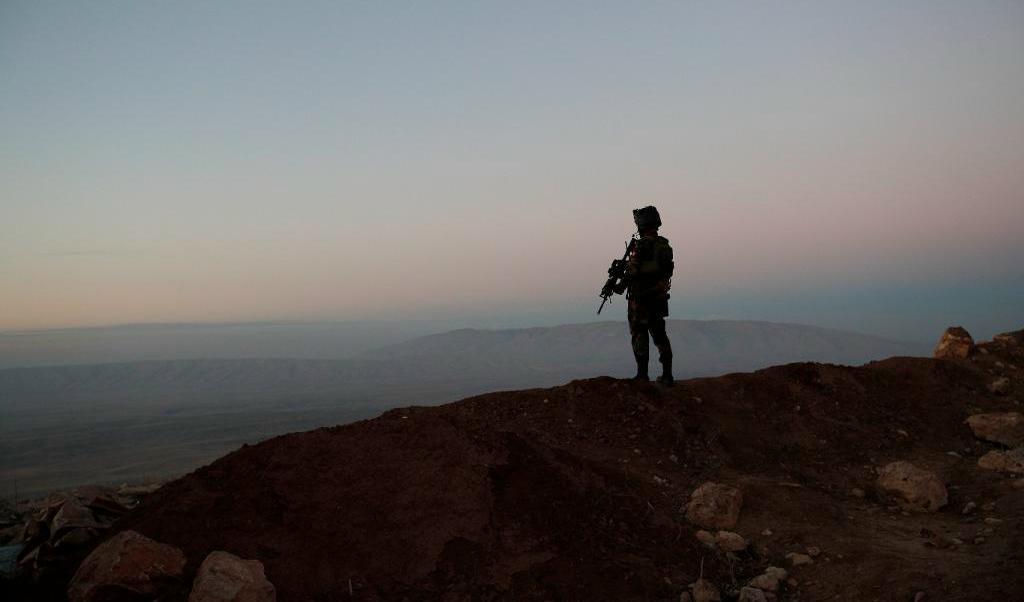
(578, 492)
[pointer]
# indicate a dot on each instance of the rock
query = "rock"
(1000, 386)
(73, 514)
(857, 492)
(713, 505)
(1006, 428)
(224, 577)
(799, 559)
(705, 591)
(128, 564)
(752, 594)
(969, 507)
(1010, 339)
(73, 538)
(705, 537)
(956, 343)
(916, 489)
(1009, 461)
(769, 580)
(730, 542)
(919, 597)
(813, 551)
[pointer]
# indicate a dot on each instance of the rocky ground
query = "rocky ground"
(897, 480)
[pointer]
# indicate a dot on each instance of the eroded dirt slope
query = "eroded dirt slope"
(575, 492)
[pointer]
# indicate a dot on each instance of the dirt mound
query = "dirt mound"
(580, 491)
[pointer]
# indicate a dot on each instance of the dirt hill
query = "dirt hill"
(579, 492)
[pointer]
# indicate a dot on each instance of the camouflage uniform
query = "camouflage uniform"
(649, 275)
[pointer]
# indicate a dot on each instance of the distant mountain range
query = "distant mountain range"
(60, 425)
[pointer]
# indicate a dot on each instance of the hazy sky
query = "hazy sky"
(855, 164)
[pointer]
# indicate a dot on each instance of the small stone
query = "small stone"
(767, 532)
(1000, 386)
(792, 582)
(224, 577)
(1009, 461)
(813, 551)
(799, 559)
(969, 507)
(705, 537)
(752, 594)
(769, 580)
(992, 520)
(857, 492)
(705, 591)
(730, 542)
(916, 489)
(713, 505)
(919, 597)
(1006, 428)
(979, 540)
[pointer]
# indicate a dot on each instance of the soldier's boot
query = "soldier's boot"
(666, 372)
(641, 369)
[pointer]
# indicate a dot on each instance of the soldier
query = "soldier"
(648, 279)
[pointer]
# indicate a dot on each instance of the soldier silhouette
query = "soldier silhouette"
(646, 282)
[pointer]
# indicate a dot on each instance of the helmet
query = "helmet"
(646, 218)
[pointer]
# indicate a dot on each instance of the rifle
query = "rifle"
(616, 275)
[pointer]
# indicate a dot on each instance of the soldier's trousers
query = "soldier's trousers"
(648, 317)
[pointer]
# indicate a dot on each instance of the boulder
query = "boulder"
(769, 580)
(72, 515)
(224, 577)
(705, 591)
(956, 343)
(916, 489)
(1009, 461)
(730, 542)
(127, 565)
(1006, 428)
(713, 505)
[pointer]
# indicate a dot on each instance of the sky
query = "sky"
(857, 165)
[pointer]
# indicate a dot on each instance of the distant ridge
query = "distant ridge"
(158, 417)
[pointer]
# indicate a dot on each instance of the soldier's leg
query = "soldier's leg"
(638, 336)
(664, 348)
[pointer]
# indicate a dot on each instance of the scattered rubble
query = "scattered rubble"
(59, 529)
